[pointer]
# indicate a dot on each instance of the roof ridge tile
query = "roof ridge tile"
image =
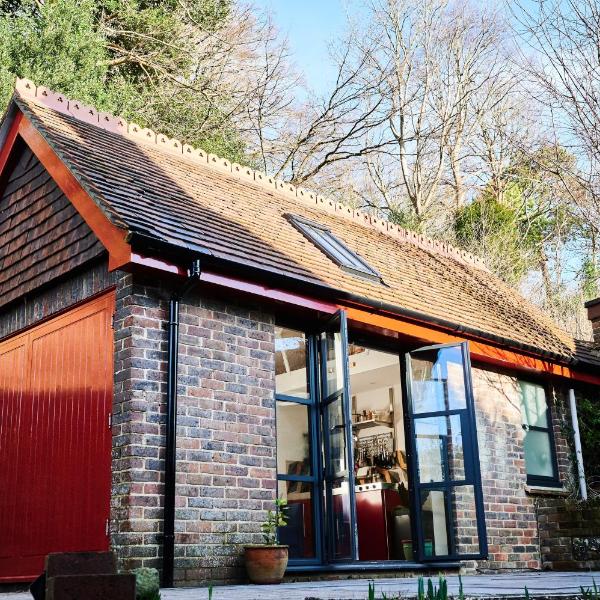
(59, 102)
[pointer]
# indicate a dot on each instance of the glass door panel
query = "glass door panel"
(439, 446)
(448, 497)
(434, 523)
(337, 441)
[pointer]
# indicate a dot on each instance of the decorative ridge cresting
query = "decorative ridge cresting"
(88, 114)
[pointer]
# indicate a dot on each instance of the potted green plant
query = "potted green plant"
(266, 563)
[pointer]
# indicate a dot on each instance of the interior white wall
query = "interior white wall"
(291, 434)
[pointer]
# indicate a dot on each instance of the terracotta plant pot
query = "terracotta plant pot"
(266, 564)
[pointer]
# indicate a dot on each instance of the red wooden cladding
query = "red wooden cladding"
(55, 439)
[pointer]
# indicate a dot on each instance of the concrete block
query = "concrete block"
(80, 563)
(91, 587)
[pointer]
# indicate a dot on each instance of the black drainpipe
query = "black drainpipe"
(171, 441)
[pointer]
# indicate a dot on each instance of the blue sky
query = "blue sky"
(309, 25)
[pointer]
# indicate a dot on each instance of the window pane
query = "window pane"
(534, 409)
(342, 529)
(335, 369)
(337, 438)
(335, 248)
(298, 534)
(290, 363)
(466, 536)
(435, 523)
(293, 440)
(538, 454)
(438, 381)
(440, 449)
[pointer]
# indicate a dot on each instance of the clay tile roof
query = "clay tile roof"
(158, 187)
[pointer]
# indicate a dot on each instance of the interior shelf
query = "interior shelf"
(371, 423)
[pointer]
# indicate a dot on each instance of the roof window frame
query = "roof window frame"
(307, 228)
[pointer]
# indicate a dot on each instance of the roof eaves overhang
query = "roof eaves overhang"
(279, 287)
(9, 129)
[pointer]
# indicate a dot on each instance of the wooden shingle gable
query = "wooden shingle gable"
(42, 236)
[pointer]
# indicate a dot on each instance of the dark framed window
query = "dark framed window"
(536, 418)
(334, 248)
(297, 427)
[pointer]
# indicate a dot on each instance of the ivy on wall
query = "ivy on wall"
(588, 413)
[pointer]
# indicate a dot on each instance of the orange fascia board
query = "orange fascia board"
(480, 351)
(112, 237)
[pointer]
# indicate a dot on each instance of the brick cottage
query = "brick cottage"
(183, 339)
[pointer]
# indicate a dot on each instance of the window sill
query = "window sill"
(389, 565)
(543, 490)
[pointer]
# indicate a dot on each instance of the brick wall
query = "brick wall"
(569, 533)
(226, 435)
(593, 312)
(46, 302)
(511, 522)
(226, 439)
(226, 443)
(138, 424)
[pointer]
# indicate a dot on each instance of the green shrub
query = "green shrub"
(147, 586)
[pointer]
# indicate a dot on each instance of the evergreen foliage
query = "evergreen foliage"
(134, 58)
(588, 417)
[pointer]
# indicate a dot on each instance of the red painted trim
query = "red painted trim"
(10, 141)
(278, 295)
(111, 236)
(249, 287)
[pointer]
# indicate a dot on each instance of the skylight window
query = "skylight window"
(334, 248)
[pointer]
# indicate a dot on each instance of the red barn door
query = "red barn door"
(56, 383)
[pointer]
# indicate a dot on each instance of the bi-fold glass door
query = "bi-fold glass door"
(447, 497)
(338, 453)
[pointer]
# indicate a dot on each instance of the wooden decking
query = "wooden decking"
(540, 585)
